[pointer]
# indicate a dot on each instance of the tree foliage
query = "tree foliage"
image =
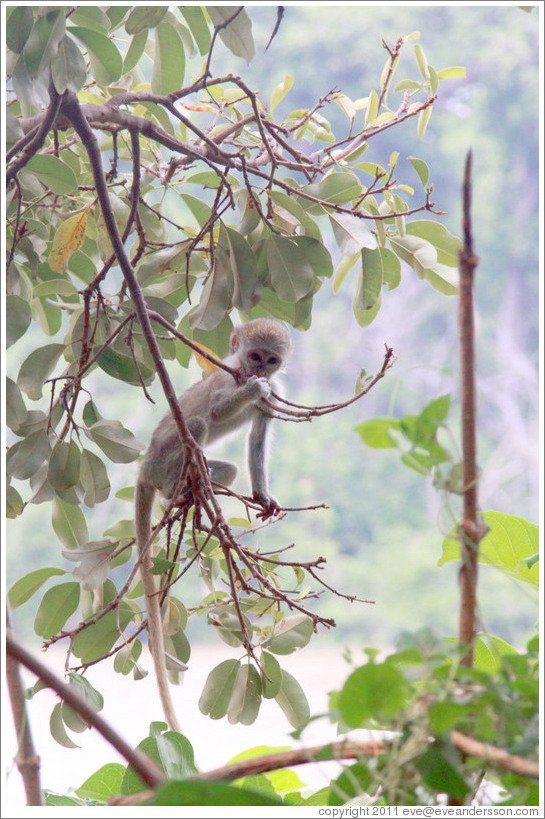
(150, 206)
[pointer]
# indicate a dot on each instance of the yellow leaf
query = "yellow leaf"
(69, 237)
(203, 362)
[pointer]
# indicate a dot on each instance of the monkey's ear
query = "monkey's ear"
(235, 341)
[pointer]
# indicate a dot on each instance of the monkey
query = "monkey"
(212, 408)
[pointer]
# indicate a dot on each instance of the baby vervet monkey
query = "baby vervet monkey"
(212, 408)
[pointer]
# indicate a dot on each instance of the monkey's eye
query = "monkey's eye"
(272, 360)
(255, 357)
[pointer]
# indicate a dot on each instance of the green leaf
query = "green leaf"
(291, 274)
(452, 72)
(416, 252)
(446, 244)
(218, 689)
(489, 651)
(103, 783)
(354, 780)
(106, 61)
(135, 49)
(94, 478)
(16, 411)
(125, 367)
(14, 503)
(317, 255)
(26, 457)
(271, 678)
(142, 18)
(99, 638)
(237, 36)
(294, 632)
(336, 188)
(421, 60)
(243, 267)
(439, 772)
(370, 281)
(198, 26)
(181, 794)
(68, 69)
(351, 234)
(58, 731)
(26, 586)
(376, 432)
(423, 120)
(169, 61)
(43, 41)
(53, 173)
(421, 169)
(172, 752)
(56, 606)
(64, 465)
(69, 524)
(373, 692)
(510, 541)
(294, 207)
(116, 442)
(293, 702)
(245, 700)
(18, 28)
(280, 91)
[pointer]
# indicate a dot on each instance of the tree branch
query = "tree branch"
(144, 767)
(471, 530)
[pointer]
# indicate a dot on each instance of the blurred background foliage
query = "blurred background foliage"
(383, 530)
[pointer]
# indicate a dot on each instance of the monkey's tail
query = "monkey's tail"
(143, 501)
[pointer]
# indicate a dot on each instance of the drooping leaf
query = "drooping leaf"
(291, 274)
(57, 605)
(18, 318)
(292, 700)
(94, 478)
(18, 28)
(218, 689)
(57, 728)
(106, 61)
(25, 457)
(68, 69)
(69, 524)
(99, 638)
(169, 61)
(237, 36)
(271, 678)
(43, 41)
(198, 26)
(245, 700)
(142, 18)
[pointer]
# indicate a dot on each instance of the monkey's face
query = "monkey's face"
(260, 361)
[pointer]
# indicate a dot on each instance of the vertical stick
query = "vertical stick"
(470, 531)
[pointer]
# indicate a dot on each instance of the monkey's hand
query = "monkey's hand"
(258, 387)
(270, 505)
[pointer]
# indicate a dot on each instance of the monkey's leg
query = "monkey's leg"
(174, 461)
(222, 472)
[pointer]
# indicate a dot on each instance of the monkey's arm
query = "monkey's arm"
(257, 460)
(231, 400)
